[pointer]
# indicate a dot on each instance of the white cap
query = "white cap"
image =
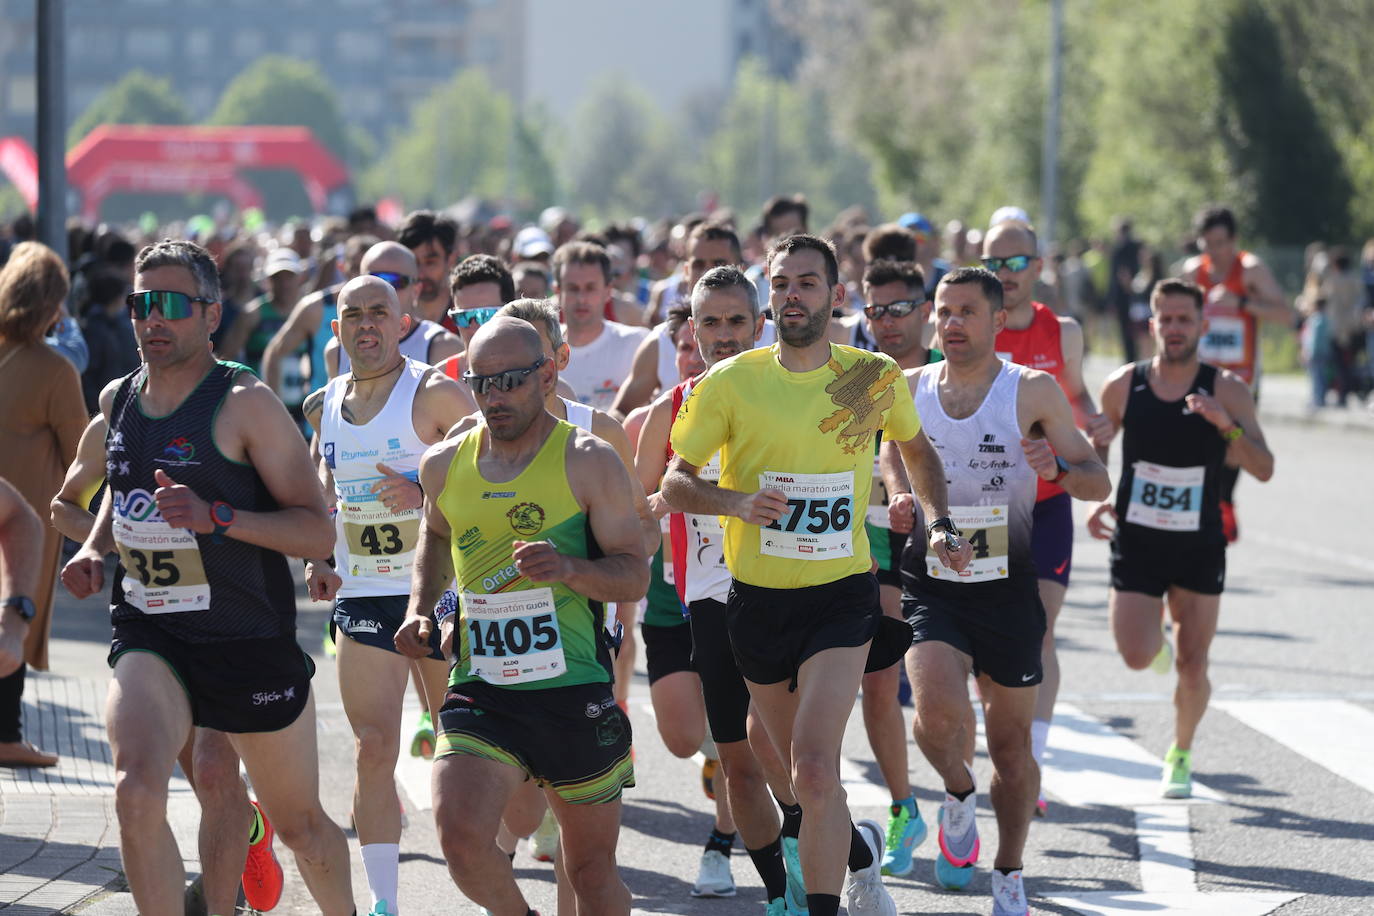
(531, 242)
(280, 259)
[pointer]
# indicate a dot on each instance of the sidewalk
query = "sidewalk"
(1283, 399)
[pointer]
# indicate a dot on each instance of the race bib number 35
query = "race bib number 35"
(985, 529)
(819, 521)
(513, 638)
(1166, 498)
(163, 572)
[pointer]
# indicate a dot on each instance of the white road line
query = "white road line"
(1166, 849)
(1333, 734)
(1322, 555)
(1087, 763)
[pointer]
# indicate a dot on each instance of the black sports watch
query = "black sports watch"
(222, 514)
(944, 522)
(23, 605)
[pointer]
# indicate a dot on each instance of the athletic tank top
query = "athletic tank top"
(991, 492)
(293, 382)
(667, 357)
(512, 632)
(698, 541)
(414, 345)
(1039, 346)
(374, 548)
(329, 310)
(579, 414)
(1232, 338)
(192, 586)
(1171, 463)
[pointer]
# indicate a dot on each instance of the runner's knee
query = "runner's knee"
(376, 749)
(814, 777)
(140, 797)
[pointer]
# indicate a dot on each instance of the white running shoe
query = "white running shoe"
(713, 877)
(1008, 896)
(864, 891)
(544, 840)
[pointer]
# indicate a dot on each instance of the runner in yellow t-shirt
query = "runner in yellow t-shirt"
(795, 426)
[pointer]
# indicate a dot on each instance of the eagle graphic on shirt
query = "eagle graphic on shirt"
(864, 394)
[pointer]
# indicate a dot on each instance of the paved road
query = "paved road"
(1284, 824)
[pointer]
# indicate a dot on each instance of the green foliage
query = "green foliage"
(138, 98)
(465, 139)
(282, 90)
(806, 155)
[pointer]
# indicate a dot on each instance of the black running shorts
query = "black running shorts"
(722, 686)
(1003, 635)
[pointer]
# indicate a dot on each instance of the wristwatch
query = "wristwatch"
(1064, 468)
(222, 514)
(23, 606)
(944, 522)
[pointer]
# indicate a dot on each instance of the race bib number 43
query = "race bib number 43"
(380, 543)
(1166, 498)
(819, 521)
(985, 529)
(513, 638)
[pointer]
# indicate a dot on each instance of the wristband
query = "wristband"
(447, 606)
(1234, 433)
(944, 522)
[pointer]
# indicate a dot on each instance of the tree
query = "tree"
(465, 139)
(624, 158)
(806, 154)
(284, 91)
(138, 98)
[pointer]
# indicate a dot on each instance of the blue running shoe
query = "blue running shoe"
(905, 831)
(796, 885)
(959, 844)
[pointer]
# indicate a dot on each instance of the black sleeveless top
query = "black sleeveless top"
(231, 590)
(1171, 463)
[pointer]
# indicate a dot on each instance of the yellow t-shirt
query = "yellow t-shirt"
(809, 434)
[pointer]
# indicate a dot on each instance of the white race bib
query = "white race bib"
(379, 542)
(1166, 498)
(985, 528)
(819, 521)
(162, 565)
(1225, 341)
(513, 638)
(877, 500)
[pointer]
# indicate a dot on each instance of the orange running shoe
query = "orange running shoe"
(262, 875)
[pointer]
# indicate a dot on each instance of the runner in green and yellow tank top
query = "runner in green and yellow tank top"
(536, 521)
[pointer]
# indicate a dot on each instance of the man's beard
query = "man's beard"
(807, 334)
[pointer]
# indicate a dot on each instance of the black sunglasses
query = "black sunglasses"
(398, 281)
(899, 309)
(502, 381)
(1016, 263)
(173, 305)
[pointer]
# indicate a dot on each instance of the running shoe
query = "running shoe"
(1008, 896)
(905, 831)
(544, 840)
(379, 909)
(1042, 806)
(1177, 781)
(863, 890)
(330, 649)
(713, 877)
(422, 743)
(708, 777)
(1163, 662)
(1229, 526)
(796, 884)
(959, 842)
(262, 874)
(776, 907)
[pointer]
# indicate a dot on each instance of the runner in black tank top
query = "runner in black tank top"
(1182, 419)
(211, 487)
(252, 595)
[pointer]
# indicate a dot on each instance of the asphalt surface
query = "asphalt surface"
(1295, 629)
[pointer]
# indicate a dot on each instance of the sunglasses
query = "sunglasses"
(466, 318)
(1016, 263)
(501, 381)
(899, 309)
(172, 305)
(398, 281)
